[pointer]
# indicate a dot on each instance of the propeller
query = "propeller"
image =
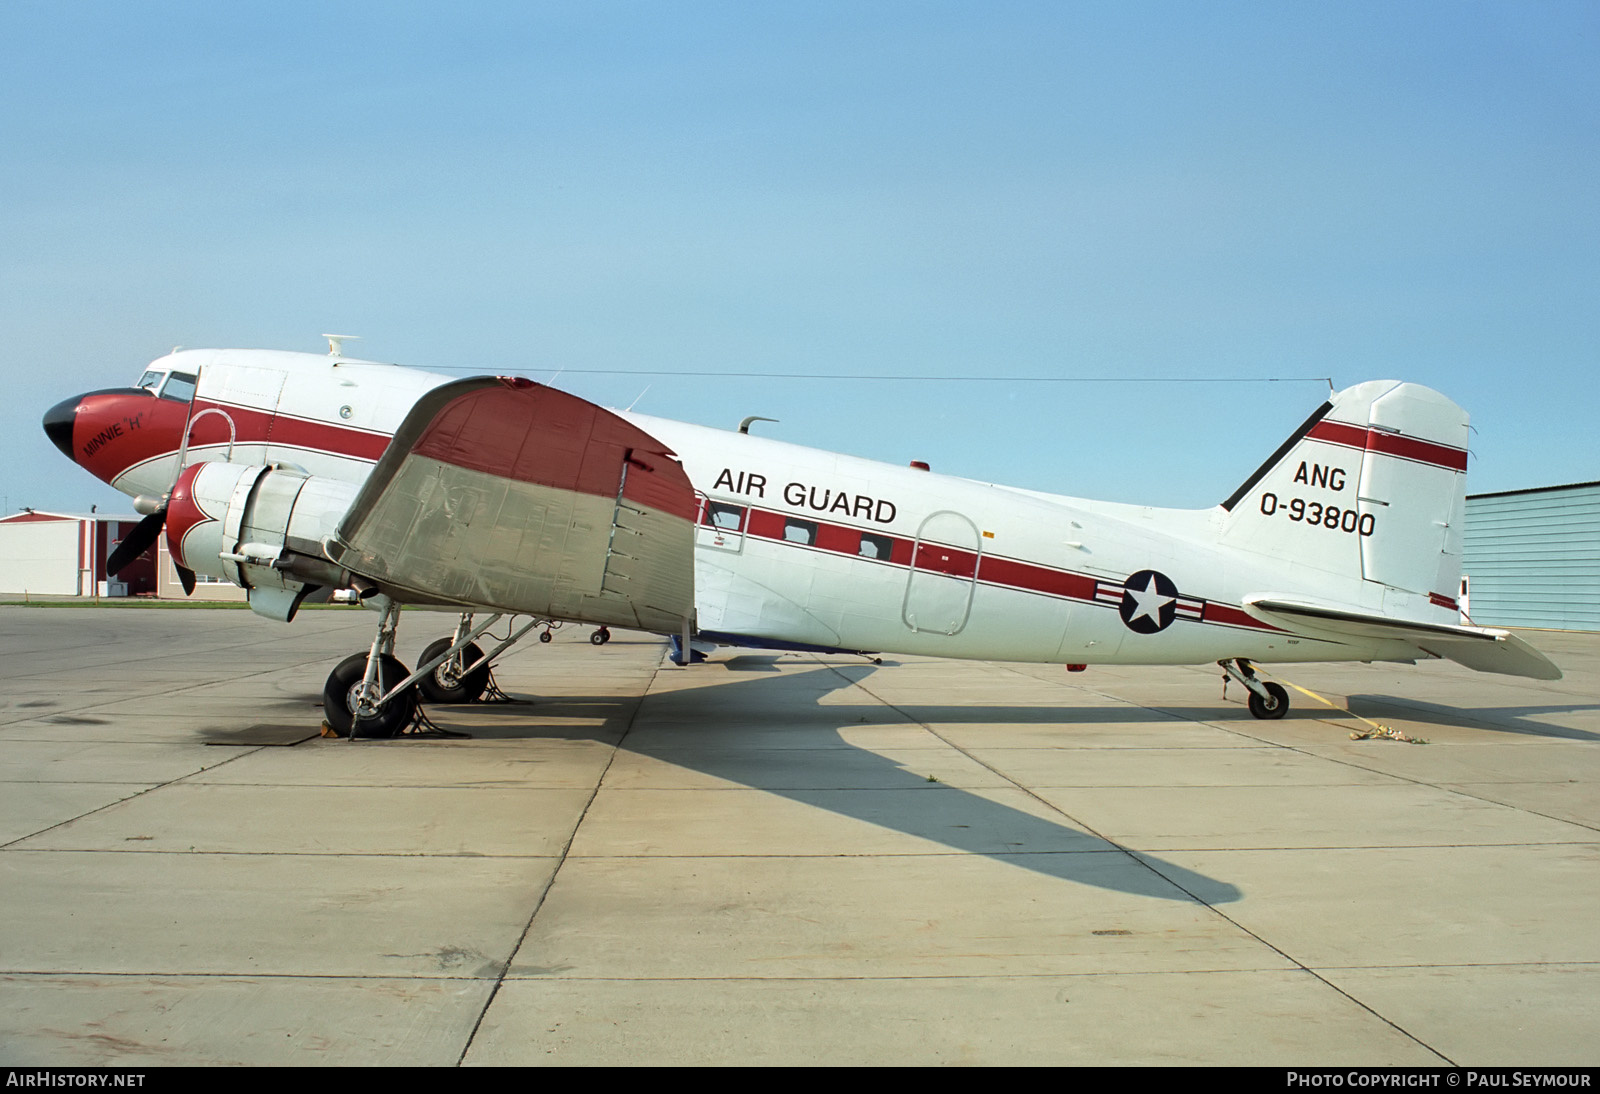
(137, 542)
(142, 538)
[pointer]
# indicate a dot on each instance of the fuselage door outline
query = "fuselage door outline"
(944, 574)
(722, 525)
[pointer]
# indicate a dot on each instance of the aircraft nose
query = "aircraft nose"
(58, 422)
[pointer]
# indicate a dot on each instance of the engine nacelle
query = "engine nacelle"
(259, 527)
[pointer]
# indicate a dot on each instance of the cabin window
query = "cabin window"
(875, 546)
(719, 514)
(800, 531)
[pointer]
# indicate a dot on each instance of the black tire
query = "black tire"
(338, 697)
(599, 638)
(442, 685)
(1276, 708)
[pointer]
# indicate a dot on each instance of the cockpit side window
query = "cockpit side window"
(179, 387)
(151, 380)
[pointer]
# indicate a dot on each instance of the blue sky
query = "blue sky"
(1075, 192)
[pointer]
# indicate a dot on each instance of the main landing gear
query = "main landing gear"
(369, 694)
(372, 695)
(1265, 698)
(451, 682)
(350, 698)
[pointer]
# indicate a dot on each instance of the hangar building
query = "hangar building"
(1532, 557)
(64, 554)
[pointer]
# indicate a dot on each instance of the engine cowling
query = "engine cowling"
(260, 527)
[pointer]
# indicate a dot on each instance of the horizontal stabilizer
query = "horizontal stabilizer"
(1485, 649)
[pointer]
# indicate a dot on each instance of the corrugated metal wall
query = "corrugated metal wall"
(41, 556)
(1533, 557)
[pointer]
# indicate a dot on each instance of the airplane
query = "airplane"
(293, 474)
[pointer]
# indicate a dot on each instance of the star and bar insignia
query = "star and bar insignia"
(1149, 601)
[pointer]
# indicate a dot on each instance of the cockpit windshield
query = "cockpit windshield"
(177, 386)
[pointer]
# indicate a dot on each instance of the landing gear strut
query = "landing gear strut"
(449, 683)
(350, 702)
(454, 669)
(1266, 699)
(372, 695)
(368, 694)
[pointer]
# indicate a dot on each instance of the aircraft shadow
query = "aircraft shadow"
(724, 728)
(1495, 719)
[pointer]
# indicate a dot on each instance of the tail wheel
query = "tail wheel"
(1274, 708)
(600, 637)
(345, 687)
(447, 684)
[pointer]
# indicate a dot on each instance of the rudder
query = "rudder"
(1371, 486)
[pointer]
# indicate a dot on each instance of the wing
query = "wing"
(508, 495)
(1485, 649)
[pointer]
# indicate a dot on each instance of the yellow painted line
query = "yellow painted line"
(1378, 729)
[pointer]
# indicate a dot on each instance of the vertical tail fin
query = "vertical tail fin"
(1372, 486)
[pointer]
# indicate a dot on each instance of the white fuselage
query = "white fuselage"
(807, 548)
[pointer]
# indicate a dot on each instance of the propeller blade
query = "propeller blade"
(186, 578)
(136, 542)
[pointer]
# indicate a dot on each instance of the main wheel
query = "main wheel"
(447, 684)
(600, 637)
(1276, 707)
(344, 686)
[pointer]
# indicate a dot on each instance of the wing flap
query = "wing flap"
(1485, 649)
(508, 495)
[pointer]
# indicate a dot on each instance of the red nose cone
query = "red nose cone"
(107, 432)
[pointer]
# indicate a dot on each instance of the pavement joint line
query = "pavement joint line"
(254, 974)
(1458, 789)
(532, 978)
(1230, 970)
(474, 856)
(477, 856)
(137, 794)
(1141, 859)
(1449, 985)
(1052, 807)
(561, 860)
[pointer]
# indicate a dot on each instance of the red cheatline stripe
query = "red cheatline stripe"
(1410, 448)
(1390, 444)
(1038, 579)
(1010, 573)
(153, 429)
(1233, 617)
(259, 427)
(1351, 436)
